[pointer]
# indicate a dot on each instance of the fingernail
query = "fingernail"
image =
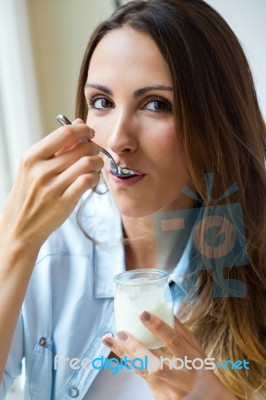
(86, 140)
(108, 341)
(122, 336)
(145, 316)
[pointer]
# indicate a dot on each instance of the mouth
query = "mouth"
(125, 177)
(124, 172)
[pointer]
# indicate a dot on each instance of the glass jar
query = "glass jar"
(142, 290)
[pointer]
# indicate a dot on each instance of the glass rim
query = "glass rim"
(121, 278)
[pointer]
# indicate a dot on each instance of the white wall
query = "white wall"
(60, 30)
(19, 110)
(247, 18)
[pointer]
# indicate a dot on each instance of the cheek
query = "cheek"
(165, 146)
(171, 167)
(170, 146)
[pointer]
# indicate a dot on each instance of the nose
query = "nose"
(123, 138)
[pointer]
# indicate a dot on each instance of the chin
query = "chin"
(135, 208)
(133, 212)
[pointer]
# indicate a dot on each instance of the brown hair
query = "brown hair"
(221, 130)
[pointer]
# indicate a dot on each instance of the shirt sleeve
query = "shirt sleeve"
(14, 362)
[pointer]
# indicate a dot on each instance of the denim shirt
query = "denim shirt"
(69, 305)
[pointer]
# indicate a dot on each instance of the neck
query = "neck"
(149, 244)
(140, 244)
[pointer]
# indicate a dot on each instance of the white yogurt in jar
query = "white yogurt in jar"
(143, 294)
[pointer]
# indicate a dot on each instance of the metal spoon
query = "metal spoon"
(115, 169)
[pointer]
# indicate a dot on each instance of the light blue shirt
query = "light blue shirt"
(69, 304)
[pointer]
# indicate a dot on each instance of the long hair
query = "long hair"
(220, 130)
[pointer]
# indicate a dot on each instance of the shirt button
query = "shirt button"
(73, 392)
(42, 341)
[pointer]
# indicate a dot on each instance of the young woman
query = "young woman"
(168, 92)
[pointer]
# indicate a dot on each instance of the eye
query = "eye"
(158, 105)
(100, 103)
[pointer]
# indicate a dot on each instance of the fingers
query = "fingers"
(60, 172)
(85, 171)
(137, 356)
(151, 367)
(154, 366)
(63, 136)
(135, 348)
(174, 339)
(52, 177)
(74, 192)
(61, 162)
(117, 348)
(187, 335)
(72, 144)
(172, 375)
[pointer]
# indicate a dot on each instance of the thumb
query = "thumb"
(78, 121)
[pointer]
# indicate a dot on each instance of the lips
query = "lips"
(127, 180)
(125, 169)
(137, 171)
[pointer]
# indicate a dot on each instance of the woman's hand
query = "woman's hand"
(52, 176)
(165, 381)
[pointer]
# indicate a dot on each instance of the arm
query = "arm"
(52, 177)
(15, 272)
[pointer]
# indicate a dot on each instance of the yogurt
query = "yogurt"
(138, 291)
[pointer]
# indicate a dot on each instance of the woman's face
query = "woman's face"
(130, 99)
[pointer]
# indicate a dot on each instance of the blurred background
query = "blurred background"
(41, 49)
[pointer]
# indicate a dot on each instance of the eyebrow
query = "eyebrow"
(136, 93)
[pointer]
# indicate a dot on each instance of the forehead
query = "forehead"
(128, 53)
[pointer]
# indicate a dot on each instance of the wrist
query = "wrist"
(17, 240)
(15, 248)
